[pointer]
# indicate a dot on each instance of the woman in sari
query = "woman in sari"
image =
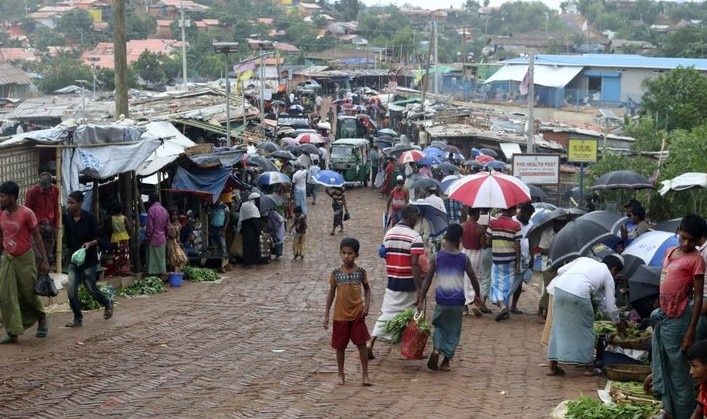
(177, 259)
(387, 185)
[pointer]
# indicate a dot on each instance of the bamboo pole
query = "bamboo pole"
(58, 255)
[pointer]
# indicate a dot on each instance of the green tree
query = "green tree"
(138, 26)
(348, 9)
(62, 71)
(45, 38)
(676, 99)
(77, 27)
(648, 138)
(688, 42)
(149, 66)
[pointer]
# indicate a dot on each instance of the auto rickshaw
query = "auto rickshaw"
(349, 156)
(349, 127)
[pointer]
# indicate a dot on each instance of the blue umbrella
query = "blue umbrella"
(271, 178)
(496, 165)
(454, 156)
(433, 151)
(651, 246)
(437, 220)
(428, 160)
(448, 180)
(329, 178)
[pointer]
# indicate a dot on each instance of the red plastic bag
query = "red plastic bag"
(413, 342)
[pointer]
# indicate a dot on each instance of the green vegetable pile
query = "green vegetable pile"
(89, 303)
(585, 407)
(194, 274)
(397, 325)
(629, 388)
(143, 286)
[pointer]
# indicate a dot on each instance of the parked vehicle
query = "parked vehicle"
(350, 157)
(349, 127)
(307, 98)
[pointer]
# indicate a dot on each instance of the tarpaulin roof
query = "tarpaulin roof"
(221, 158)
(210, 181)
(168, 151)
(543, 75)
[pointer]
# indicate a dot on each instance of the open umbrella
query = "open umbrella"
(267, 146)
(433, 151)
(399, 149)
(451, 149)
(651, 246)
(429, 160)
(489, 190)
(410, 156)
(537, 192)
(437, 220)
(644, 282)
(271, 178)
(448, 167)
(622, 179)
(473, 165)
(496, 165)
(277, 103)
(488, 152)
(270, 201)
(388, 131)
(329, 178)
(359, 108)
(260, 161)
(292, 148)
(683, 182)
(283, 154)
(448, 181)
(347, 106)
(454, 156)
(544, 205)
(289, 140)
(308, 149)
(297, 108)
(545, 221)
(423, 183)
(581, 234)
(671, 226)
(310, 137)
(483, 159)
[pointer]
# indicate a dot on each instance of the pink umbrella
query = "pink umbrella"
(347, 106)
(359, 108)
(489, 190)
(410, 156)
(290, 140)
(483, 159)
(309, 137)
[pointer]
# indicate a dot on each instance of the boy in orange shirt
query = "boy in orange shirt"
(350, 309)
(697, 356)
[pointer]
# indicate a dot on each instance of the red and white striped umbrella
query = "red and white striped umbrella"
(489, 190)
(410, 156)
(310, 137)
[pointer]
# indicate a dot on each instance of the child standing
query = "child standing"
(299, 226)
(697, 356)
(120, 226)
(450, 264)
(350, 310)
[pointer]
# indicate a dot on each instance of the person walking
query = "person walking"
(348, 284)
(43, 200)
(525, 274)
(81, 229)
(299, 180)
(299, 231)
(473, 239)
(338, 205)
(120, 238)
(503, 236)
(548, 272)
(399, 197)
(19, 306)
(452, 268)
(312, 185)
(156, 236)
(250, 227)
(572, 335)
(403, 249)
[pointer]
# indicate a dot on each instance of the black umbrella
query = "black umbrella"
(671, 226)
(283, 154)
(448, 167)
(262, 162)
(425, 183)
(488, 152)
(267, 146)
(539, 227)
(622, 179)
(292, 148)
(631, 263)
(399, 149)
(580, 235)
(270, 201)
(308, 148)
(644, 282)
(537, 192)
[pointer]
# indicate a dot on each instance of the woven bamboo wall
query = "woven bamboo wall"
(19, 164)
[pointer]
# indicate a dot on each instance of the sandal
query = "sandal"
(73, 324)
(592, 372)
(502, 315)
(486, 310)
(555, 371)
(42, 328)
(476, 311)
(108, 311)
(445, 366)
(516, 311)
(433, 362)
(8, 339)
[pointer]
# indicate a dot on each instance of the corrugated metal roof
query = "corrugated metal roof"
(615, 60)
(10, 74)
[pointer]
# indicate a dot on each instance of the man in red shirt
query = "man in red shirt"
(43, 200)
(19, 306)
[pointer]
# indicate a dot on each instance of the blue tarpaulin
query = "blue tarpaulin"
(202, 180)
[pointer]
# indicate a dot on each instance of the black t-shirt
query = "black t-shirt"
(79, 232)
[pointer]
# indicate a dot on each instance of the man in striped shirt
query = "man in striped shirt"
(403, 250)
(503, 235)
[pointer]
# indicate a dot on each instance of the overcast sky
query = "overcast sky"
(433, 4)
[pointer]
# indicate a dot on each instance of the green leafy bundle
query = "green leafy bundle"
(194, 274)
(89, 303)
(585, 407)
(396, 326)
(144, 286)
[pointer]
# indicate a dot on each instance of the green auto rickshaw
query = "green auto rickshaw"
(350, 157)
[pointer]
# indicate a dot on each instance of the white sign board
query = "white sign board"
(537, 169)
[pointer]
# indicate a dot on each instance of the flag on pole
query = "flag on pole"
(418, 75)
(245, 65)
(523, 88)
(246, 75)
(585, 26)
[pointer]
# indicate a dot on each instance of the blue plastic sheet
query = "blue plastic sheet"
(210, 181)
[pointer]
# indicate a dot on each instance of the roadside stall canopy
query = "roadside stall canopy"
(210, 181)
(174, 144)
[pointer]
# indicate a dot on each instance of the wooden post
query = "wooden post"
(58, 256)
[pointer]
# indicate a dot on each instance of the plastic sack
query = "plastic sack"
(413, 342)
(78, 257)
(44, 286)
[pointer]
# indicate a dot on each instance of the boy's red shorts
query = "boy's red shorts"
(354, 330)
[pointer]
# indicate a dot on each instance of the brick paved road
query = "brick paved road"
(253, 346)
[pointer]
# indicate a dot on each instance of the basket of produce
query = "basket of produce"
(632, 338)
(585, 407)
(630, 392)
(627, 372)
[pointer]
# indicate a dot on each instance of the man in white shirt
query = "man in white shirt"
(325, 157)
(299, 179)
(434, 199)
(548, 273)
(525, 211)
(572, 336)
